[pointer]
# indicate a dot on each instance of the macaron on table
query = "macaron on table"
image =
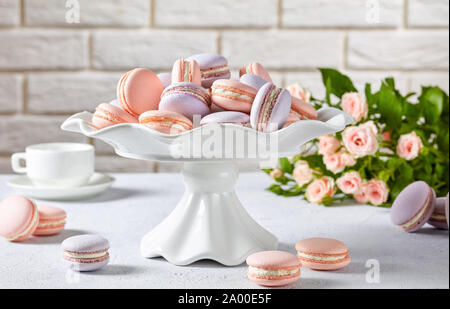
(209, 222)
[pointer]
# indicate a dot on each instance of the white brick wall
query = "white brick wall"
(50, 69)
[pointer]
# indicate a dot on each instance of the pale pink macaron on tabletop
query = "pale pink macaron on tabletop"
(52, 220)
(19, 218)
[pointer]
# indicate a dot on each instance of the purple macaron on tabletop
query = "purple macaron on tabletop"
(253, 81)
(438, 218)
(185, 98)
(414, 206)
(270, 108)
(85, 252)
(212, 67)
(229, 117)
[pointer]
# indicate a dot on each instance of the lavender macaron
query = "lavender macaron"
(438, 218)
(86, 252)
(253, 81)
(228, 117)
(165, 78)
(414, 206)
(185, 98)
(212, 68)
(270, 108)
(447, 210)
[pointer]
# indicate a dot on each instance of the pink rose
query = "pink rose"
(361, 140)
(328, 144)
(387, 136)
(377, 192)
(347, 159)
(350, 183)
(361, 197)
(319, 189)
(355, 105)
(299, 92)
(409, 146)
(334, 162)
(302, 173)
(276, 173)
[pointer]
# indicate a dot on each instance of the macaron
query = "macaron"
(165, 78)
(273, 268)
(51, 221)
(19, 218)
(227, 117)
(107, 115)
(293, 117)
(270, 108)
(438, 218)
(166, 122)
(186, 71)
(447, 210)
(188, 99)
(212, 67)
(139, 90)
(256, 69)
(85, 252)
(233, 95)
(302, 108)
(414, 206)
(322, 253)
(253, 81)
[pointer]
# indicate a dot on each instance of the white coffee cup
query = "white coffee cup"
(56, 164)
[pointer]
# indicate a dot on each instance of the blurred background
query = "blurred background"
(60, 57)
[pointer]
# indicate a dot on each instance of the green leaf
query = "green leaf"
(390, 107)
(336, 83)
(432, 102)
(286, 165)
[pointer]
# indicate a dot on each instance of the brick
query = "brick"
(43, 49)
(9, 12)
(425, 13)
(419, 79)
(288, 49)
(349, 13)
(399, 50)
(153, 49)
(218, 13)
(17, 132)
(10, 93)
(116, 164)
(70, 92)
(124, 13)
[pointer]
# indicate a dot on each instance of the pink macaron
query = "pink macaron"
(51, 221)
(186, 71)
(273, 268)
(256, 69)
(414, 206)
(233, 95)
(19, 218)
(271, 108)
(139, 90)
(292, 118)
(107, 115)
(322, 253)
(227, 117)
(304, 109)
(439, 219)
(188, 99)
(166, 122)
(212, 67)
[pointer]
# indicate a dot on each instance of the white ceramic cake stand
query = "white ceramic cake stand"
(209, 222)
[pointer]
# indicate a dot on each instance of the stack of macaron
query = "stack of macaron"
(20, 218)
(200, 85)
(417, 205)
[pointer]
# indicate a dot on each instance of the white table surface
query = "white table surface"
(136, 203)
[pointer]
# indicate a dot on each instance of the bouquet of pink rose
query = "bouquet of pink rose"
(392, 143)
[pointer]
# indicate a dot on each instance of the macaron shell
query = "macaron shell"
(439, 211)
(108, 115)
(49, 217)
(228, 101)
(273, 260)
(193, 72)
(253, 81)
(139, 91)
(292, 117)
(304, 108)
(157, 120)
(165, 78)
(319, 245)
(274, 282)
(256, 68)
(18, 216)
(410, 202)
(226, 117)
(208, 61)
(85, 243)
(85, 267)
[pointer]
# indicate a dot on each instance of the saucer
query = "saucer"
(96, 185)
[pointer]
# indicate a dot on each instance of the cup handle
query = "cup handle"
(15, 162)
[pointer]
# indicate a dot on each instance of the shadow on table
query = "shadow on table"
(428, 230)
(113, 194)
(56, 239)
(117, 270)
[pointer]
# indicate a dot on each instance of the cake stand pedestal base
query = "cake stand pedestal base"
(209, 222)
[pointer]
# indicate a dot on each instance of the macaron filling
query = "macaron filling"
(167, 122)
(261, 272)
(108, 116)
(29, 229)
(189, 91)
(439, 217)
(267, 106)
(76, 255)
(52, 223)
(213, 72)
(321, 258)
(416, 219)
